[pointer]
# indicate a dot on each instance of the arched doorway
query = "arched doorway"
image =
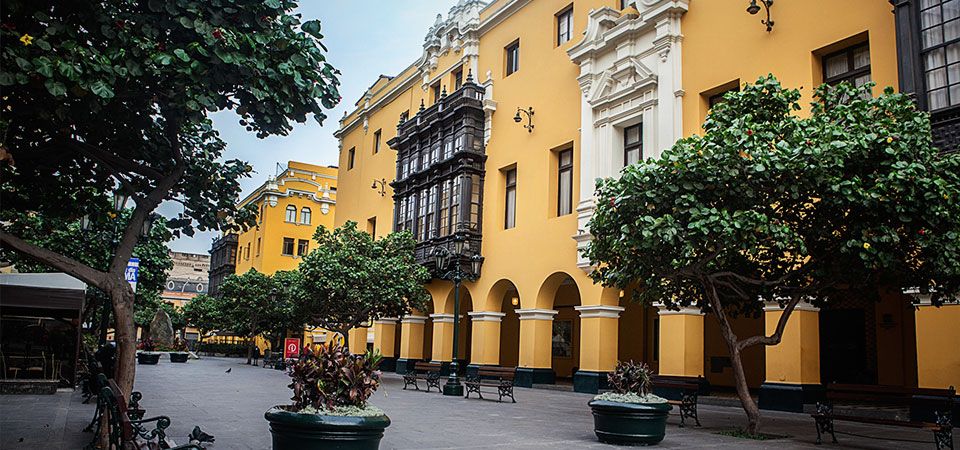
(560, 293)
(464, 342)
(427, 331)
(505, 294)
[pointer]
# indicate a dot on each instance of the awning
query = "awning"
(46, 291)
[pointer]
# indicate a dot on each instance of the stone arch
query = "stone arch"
(504, 296)
(466, 332)
(559, 292)
(546, 296)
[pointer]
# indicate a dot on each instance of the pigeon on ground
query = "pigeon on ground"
(228, 370)
(198, 437)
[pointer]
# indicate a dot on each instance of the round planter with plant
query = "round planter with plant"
(629, 414)
(177, 350)
(330, 409)
(146, 353)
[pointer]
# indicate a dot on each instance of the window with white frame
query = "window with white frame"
(305, 216)
(291, 214)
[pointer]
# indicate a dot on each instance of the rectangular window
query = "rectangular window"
(456, 196)
(513, 57)
(351, 154)
(445, 189)
(287, 247)
(372, 226)
(565, 183)
(940, 43)
(248, 252)
(258, 246)
(564, 25)
(476, 190)
(624, 4)
(458, 78)
(851, 64)
(510, 200)
(303, 246)
(632, 144)
(405, 116)
(435, 89)
(717, 98)
(376, 141)
(422, 226)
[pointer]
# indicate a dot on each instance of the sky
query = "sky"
(365, 40)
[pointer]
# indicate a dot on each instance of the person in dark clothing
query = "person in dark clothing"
(107, 357)
(256, 355)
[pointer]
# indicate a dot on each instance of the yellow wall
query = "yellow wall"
(938, 365)
(724, 44)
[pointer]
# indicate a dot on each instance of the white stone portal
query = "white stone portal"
(629, 75)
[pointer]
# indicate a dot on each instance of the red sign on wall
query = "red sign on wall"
(291, 348)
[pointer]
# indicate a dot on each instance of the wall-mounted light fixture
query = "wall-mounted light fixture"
(515, 301)
(754, 8)
(380, 186)
(529, 114)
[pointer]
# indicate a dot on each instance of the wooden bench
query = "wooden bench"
(500, 378)
(426, 371)
(689, 396)
(938, 400)
(125, 433)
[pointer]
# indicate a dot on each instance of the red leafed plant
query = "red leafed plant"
(333, 377)
(630, 378)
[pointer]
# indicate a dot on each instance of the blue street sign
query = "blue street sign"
(132, 272)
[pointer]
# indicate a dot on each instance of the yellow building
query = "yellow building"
(583, 88)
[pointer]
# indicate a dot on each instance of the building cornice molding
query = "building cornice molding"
(486, 316)
(536, 314)
(414, 319)
(599, 311)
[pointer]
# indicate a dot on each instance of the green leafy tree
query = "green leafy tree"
(771, 206)
(249, 306)
(285, 315)
(351, 279)
(106, 95)
(204, 312)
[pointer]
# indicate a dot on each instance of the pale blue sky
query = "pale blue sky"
(364, 39)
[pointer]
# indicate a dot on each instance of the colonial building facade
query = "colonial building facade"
(497, 133)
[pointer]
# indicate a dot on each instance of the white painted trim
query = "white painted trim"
(802, 306)
(414, 319)
(536, 314)
(599, 311)
(386, 321)
(486, 316)
(683, 311)
(442, 318)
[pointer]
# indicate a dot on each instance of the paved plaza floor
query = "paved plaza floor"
(231, 405)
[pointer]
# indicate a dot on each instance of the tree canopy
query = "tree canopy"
(115, 95)
(350, 278)
(769, 205)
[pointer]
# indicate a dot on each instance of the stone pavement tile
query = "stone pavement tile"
(230, 406)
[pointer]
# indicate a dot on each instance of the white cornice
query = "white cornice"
(599, 311)
(505, 11)
(386, 321)
(683, 311)
(486, 316)
(536, 314)
(414, 319)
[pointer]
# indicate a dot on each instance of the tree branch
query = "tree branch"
(774, 338)
(67, 265)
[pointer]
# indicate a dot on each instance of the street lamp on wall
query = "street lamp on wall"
(380, 184)
(754, 8)
(529, 113)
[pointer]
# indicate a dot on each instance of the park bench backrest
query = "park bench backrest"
(422, 366)
(676, 384)
(889, 395)
(504, 373)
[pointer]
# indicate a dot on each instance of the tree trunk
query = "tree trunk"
(250, 343)
(740, 378)
(125, 335)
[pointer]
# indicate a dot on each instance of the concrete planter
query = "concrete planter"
(148, 358)
(629, 423)
(179, 357)
(296, 431)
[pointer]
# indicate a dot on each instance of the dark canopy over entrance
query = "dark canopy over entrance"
(41, 315)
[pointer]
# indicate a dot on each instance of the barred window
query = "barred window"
(940, 32)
